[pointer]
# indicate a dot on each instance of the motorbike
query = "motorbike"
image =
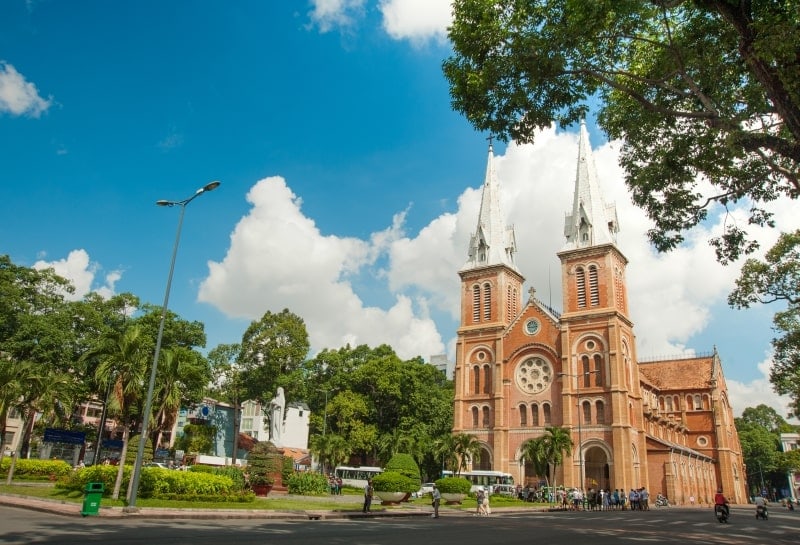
(721, 512)
(661, 501)
(761, 512)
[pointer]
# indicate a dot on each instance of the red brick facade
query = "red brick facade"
(522, 367)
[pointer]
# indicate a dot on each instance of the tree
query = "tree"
(467, 449)
(698, 90)
(557, 443)
(534, 452)
(124, 358)
(777, 279)
(273, 347)
(330, 449)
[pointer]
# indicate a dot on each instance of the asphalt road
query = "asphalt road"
(672, 526)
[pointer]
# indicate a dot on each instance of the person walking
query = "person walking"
(368, 490)
(437, 497)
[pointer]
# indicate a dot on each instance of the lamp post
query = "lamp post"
(580, 419)
(137, 465)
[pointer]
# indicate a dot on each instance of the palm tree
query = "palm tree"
(444, 450)
(467, 448)
(557, 443)
(123, 363)
(180, 371)
(534, 452)
(331, 449)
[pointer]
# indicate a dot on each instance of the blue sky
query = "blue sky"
(349, 187)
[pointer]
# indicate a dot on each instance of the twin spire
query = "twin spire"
(591, 222)
(493, 243)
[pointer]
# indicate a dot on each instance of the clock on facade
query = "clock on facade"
(532, 326)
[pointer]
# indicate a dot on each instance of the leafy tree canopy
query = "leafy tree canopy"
(704, 94)
(777, 279)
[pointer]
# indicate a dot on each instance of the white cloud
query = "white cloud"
(330, 14)
(81, 272)
(279, 259)
(416, 20)
(18, 96)
(757, 392)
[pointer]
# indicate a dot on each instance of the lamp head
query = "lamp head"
(211, 186)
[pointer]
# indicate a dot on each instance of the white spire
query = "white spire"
(493, 243)
(591, 222)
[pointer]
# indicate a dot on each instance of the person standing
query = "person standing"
(437, 497)
(368, 490)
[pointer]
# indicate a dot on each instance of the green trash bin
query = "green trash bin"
(91, 503)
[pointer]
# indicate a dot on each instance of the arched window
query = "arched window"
(474, 417)
(668, 401)
(598, 370)
(546, 411)
(586, 407)
(534, 415)
(594, 290)
(487, 301)
(586, 377)
(476, 304)
(487, 379)
(486, 420)
(698, 403)
(689, 402)
(476, 376)
(600, 409)
(580, 280)
(523, 415)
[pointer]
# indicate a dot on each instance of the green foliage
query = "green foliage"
(394, 481)
(287, 468)
(106, 474)
(697, 90)
(234, 473)
(264, 462)
(196, 438)
(307, 483)
(27, 469)
(157, 483)
(453, 485)
(405, 465)
(271, 350)
(133, 449)
(777, 279)
(379, 403)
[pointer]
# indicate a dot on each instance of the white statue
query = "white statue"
(276, 413)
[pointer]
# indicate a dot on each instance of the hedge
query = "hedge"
(34, 469)
(307, 483)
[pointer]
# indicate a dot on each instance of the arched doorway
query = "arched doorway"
(484, 463)
(596, 468)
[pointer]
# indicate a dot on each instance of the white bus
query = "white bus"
(356, 476)
(484, 479)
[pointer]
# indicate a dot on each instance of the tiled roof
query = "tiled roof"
(679, 374)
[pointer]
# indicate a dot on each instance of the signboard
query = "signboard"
(112, 444)
(52, 435)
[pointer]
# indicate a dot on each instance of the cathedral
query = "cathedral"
(522, 367)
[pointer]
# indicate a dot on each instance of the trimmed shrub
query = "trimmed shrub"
(287, 469)
(394, 481)
(405, 465)
(30, 469)
(264, 462)
(234, 473)
(453, 485)
(307, 483)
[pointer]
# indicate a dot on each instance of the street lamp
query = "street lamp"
(137, 465)
(580, 419)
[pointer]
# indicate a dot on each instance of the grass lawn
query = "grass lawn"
(277, 502)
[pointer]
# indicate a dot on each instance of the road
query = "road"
(672, 526)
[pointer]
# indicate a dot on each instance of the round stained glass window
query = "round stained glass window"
(534, 375)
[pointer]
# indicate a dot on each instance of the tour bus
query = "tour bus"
(356, 476)
(484, 479)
